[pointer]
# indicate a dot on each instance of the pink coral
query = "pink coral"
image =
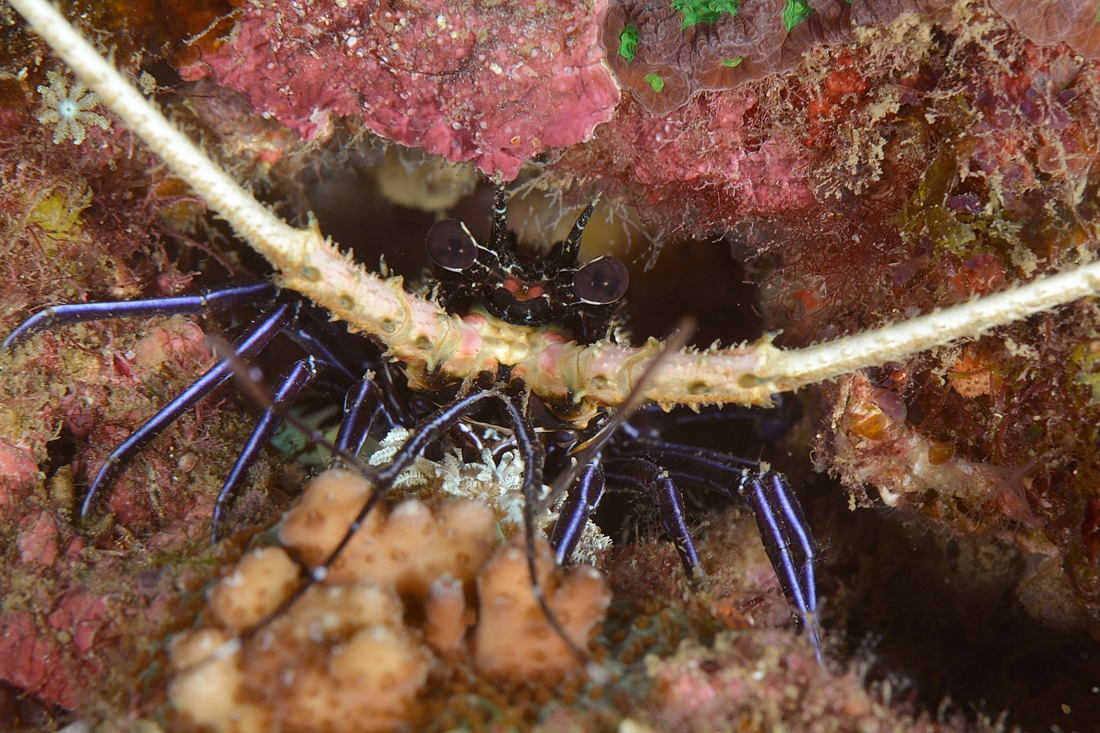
(18, 471)
(38, 542)
(117, 388)
(708, 155)
(52, 660)
(757, 681)
(492, 83)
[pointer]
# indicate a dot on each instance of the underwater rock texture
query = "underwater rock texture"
(909, 167)
(492, 83)
(667, 52)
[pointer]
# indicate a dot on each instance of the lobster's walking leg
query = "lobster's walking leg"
(583, 498)
(360, 405)
(647, 477)
(289, 385)
(208, 301)
(788, 542)
(784, 531)
(259, 334)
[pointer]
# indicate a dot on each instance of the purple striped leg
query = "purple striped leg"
(646, 477)
(788, 542)
(583, 498)
(360, 406)
(289, 385)
(207, 301)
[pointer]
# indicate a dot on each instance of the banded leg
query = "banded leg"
(646, 476)
(290, 383)
(207, 301)
(360, 406)
(783, 527)
(788, 542)
(259, 334)
(784, 531)
(583, 498)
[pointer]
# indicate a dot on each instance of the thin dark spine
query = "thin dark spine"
(571, 246)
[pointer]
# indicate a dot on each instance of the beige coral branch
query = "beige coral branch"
(426, 338)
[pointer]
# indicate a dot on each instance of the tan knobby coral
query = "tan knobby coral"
(353, 653)
(512, 636)
(340, 659)
(406, 547)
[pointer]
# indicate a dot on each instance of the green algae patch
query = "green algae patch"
(706, 12)
(58, 214)
(628, 42)
(796, 12)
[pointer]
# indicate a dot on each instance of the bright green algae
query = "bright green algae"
(628, 42)
(796, 12)
(704, 11)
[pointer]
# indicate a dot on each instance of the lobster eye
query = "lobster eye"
(603, 280)
(451, 246)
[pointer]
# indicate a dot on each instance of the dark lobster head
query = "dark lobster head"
(522, 290)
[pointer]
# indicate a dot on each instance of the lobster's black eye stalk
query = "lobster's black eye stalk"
(451, 246)
(602, 281)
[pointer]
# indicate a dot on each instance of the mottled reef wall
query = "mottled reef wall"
(867, 161)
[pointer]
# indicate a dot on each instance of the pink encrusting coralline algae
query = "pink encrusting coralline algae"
(495, 84)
